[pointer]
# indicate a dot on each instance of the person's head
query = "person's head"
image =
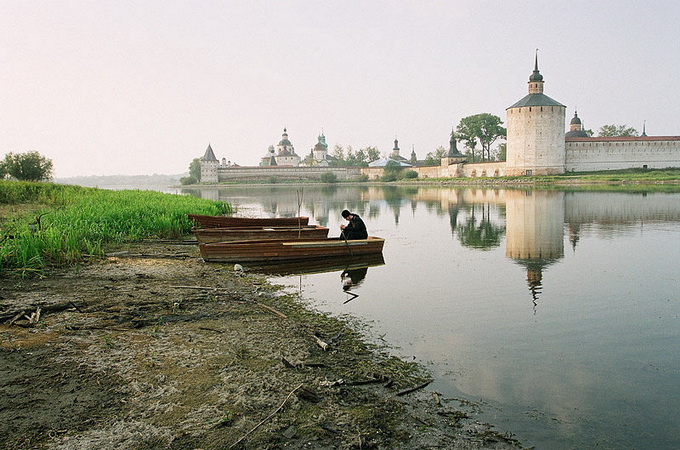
(347, 215)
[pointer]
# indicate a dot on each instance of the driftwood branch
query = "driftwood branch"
(17, 317)
(273, 413)
(413, 389)
(272, 310)
(202, 288)
(322, 344)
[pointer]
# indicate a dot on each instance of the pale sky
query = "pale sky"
(140, 87)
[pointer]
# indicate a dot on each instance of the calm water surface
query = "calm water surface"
(559, 312)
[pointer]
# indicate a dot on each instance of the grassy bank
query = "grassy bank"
(44, 224)
(662, 180)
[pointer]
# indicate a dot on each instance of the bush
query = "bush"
(388, 176)
(329, 177)
(410, 173)
(188, 180)
(361, 178)
(273, 179)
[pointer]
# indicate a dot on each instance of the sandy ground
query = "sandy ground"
(153, 348)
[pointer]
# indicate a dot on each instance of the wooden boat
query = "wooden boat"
(228, 221)
(309, 232)
(287, 250)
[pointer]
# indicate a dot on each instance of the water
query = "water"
(559, 312)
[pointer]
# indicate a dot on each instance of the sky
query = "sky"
(107, 87)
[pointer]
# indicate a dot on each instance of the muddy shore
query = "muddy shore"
(151, 347)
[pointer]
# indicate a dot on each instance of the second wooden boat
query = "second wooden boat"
(240, 234)
(229, 221)
(287, 250)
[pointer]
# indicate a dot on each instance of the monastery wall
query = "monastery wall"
(284, 172)
(591, 154)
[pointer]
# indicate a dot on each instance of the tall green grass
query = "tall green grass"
(76, 221)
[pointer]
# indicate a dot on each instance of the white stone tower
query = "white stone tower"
(535, 132)
(209, 166)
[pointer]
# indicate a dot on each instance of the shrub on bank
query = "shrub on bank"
(328, 177)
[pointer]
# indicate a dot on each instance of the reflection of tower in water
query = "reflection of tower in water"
(534, 233)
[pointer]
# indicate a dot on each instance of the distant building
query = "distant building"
(395, 152)
(575, 128)
(320, 152)
(283, 156)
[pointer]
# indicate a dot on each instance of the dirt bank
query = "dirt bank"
(153, 348)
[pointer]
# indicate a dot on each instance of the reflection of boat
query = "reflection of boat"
(287, 250)
(224, 221)
(240, 234)
(343, 263)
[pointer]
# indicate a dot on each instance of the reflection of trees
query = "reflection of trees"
(480, 234)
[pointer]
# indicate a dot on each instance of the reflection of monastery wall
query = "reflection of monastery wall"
(534, 224)
(611, 207)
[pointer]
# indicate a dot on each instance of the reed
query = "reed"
(74, 221)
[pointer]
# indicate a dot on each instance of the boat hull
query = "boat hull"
(224, 221)
(205, 235)
(287, 250)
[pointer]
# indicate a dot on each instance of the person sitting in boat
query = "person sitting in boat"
(355, 229)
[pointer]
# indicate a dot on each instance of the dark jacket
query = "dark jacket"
(356, 229)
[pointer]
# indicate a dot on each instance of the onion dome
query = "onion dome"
(284, 139)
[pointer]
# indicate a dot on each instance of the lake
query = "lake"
(557, 312)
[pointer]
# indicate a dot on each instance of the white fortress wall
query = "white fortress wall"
(236, 173)
(591, 154)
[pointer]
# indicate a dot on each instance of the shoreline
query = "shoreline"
(150, 346)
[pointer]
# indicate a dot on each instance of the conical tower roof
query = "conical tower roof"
(209, 154)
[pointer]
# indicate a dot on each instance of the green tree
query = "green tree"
(617, 131)
(484, 128)
(502, 151)
(350, 159)
(194, 172)
(337, 156)
(195, 169)
(30, 166)
(3, 171)
(373, 154)
(434, 158)
(391, 171)
(361, 157)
